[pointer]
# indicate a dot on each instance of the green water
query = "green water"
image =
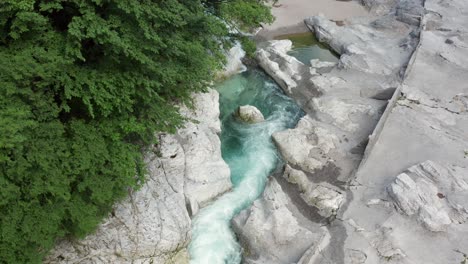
(251, 156)
(240, 141)
(306, 47)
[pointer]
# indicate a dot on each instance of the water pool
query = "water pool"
(306, 47)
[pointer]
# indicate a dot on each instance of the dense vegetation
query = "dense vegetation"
(84, 84)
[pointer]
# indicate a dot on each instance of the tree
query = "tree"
(84, 85)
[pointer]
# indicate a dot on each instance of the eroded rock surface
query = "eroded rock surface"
(206, 174)
(409, 193)
(153, 224)
(308, 146)
(290, 74)
(273, 231)
(323, 197)
(437, 195)
(249, 114)
(397, 207)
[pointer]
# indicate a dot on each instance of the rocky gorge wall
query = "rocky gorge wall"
(153, 224)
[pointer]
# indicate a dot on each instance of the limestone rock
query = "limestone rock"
(353, 256)
(249, 114)
(365, 47)
(316, 63)
(153, 224)
(379, 7)
(234, 61)
(298, 145)
(326, 199)
(181, 257)
(291, 74)
(286, 70)
(273, 232)
(154, 215)
(338, 113)
(206, 174)
(384, 243)
(414, 54)
(415, 158)
(341, 111)
(426, 190)
(410, 12)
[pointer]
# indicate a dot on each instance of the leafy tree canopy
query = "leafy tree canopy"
(84, 84)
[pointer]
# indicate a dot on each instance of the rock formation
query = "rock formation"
(274, 231)
(389, 181)
(249, 114)
(321, 196)
(234, 61)
(437, 195)
(420, 145)
(153, 224)
(290, 74)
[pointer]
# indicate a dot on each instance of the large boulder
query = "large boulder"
(273, 231)
(325, 198)
(437, 195)
(290, 74)
(286, 70)
(307, 146)
(249, 114)
(316, 63)
(153, 224)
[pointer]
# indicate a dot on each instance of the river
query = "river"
(250, 153)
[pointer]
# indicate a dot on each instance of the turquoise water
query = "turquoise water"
(251, 156)
(306, 47)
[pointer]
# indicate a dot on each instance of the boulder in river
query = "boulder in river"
(249, 114)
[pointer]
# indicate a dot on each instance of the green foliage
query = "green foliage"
(84, 84)
(243, 13)
(248, 45)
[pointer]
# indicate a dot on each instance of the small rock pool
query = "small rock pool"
(306, 47)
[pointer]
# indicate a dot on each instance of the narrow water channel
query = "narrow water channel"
(251, 156)
(249, 152)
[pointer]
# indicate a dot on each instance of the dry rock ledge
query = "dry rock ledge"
(377, 171)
